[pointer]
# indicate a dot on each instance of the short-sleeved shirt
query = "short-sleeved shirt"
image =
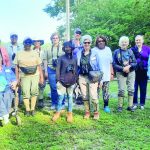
(52, 54)
(105, 60)
(12, 50)
(41, 54)
(27, 59)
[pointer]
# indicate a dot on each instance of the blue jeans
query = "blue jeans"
(52, 83)
(60, 101)
(63, 93)
(6, 102)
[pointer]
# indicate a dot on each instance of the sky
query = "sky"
(27, 19)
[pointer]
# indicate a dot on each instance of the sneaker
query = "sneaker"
(27, 113)
(142, 107)
(130, 109)
(135, 107)
(32, 112)
(53, 107)
(6, 119)
(119, 109)
(107, 109)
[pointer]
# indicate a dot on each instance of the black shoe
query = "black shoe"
(130, 109)
(40, 103)
(119, 109)
(27, 113)
(32, 113)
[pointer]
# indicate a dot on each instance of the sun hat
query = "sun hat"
(38, 40)
(27, 41)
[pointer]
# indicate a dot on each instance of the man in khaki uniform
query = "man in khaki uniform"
(28, 73)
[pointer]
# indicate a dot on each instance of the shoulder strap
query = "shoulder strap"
(57, 51)
(121, 57)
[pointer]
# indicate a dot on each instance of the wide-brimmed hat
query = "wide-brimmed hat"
(27, 41)
(37, 40)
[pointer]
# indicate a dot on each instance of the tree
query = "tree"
(111, 18)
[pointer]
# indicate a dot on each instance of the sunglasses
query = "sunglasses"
(87, 42)
(78, 32)
(101, 41)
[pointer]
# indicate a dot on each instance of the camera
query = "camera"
(84, 69)
(70, 68)
(124, 74)
(54, 63)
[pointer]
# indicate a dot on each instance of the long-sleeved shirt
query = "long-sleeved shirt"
(6, 77)
(53, 53)
(123, 58)
(142, 56)
(65, 64)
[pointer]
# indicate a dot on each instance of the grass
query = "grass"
(114, 131)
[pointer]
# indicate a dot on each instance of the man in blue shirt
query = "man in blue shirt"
(12, 48)
(7, 85)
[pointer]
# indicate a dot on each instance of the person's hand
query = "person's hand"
(18, 82)
(126, 69)
(13, 85)
(41, 81)
(112, 77)
(46, 75)
(100, 85)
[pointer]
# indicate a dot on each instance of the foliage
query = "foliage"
(120, 131)
(111, 18)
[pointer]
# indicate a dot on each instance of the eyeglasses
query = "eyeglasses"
(87, 42)
(101, 41)
(55, 38)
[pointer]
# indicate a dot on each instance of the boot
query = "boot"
(87, 110)
(87, 115)
(69, 117)
(120, 103)
(96, 115)
(26, 103)
(56, 116)
(130, 104)
(33, 102)
(130, 101)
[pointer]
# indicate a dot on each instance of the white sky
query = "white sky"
(26, 18)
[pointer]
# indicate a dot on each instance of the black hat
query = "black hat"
(68, 44)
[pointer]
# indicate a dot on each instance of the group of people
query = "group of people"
(23, 71)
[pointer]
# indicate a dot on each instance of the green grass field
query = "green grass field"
(114, 131)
